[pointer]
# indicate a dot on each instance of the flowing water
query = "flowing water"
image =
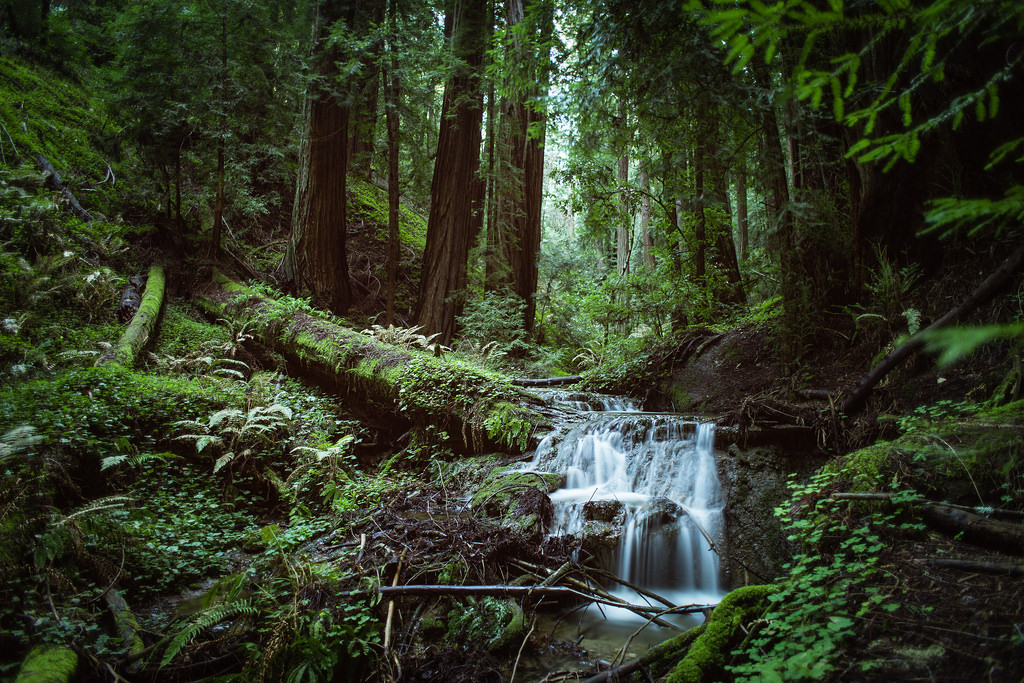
(642, 492)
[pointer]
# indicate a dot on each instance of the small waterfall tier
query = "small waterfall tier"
(642, 492)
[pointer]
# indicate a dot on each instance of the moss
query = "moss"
(663, 656)
(491, 623)
(48, 664)
(706, 656)
(180, 333)
(141, 327)
(371, 203)
(871, 467)
(1011, 413)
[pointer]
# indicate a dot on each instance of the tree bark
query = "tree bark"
(139, 330)
(742, 214)
(992, 284)
(456, 192)
(646, 213)
(392, 87)
(315, 257)
(518, 171)
(478, 413)
(956, 520)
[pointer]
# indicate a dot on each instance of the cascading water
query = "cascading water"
(644, 487)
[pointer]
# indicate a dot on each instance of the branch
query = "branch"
(1004, 568)
(54, 181)
(984, 291)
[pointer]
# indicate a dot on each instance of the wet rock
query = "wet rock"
(661, 511)
(597, 537)
(611, 511)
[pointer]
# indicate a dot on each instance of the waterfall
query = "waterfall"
(641, 490)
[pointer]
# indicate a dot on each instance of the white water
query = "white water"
(662, 469)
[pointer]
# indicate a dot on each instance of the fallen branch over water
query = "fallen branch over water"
(528, 592)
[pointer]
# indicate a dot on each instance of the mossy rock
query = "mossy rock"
(48, 664)
(519, 499)
(490, 623)
(707, 654)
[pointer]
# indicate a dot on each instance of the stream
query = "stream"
(642, 494)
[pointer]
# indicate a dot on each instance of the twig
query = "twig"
(519, 654)
(391, 605)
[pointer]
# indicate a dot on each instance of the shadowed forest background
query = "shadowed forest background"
(282, 285)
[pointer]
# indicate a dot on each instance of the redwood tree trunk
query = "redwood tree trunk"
(456, 192)
(315, 257)
(391, 90)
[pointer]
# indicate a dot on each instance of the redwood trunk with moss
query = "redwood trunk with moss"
(479, 411)
(135, 338)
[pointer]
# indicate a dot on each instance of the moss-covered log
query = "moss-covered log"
(477, 410)
(708, 652)
(139, 330)
(48, 664)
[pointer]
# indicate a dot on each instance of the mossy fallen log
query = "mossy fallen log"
(126, 626)
(139, 330)
(448, 400)
(700, 653)
(48, 664)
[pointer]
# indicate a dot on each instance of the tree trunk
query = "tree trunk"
(624, 228)
(392, 87)
(218, 206)
(742, 223)
(519, 168)
(315, 257)
(645, 218)
(456, 191)
(139, 330)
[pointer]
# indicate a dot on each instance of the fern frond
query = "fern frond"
(203, 621)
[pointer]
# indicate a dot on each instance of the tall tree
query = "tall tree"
(515, 231)
(315, 257)
(456, 195)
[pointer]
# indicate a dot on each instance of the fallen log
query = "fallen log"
(699, 653)
(141, 327)
(977, 567)
(48, 664)
(126, 626)
(54, 181)
(992, 284)
(547, 381)
(957, 520)
(479, 411)
(131, 298)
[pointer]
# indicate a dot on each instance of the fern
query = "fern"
(133, 459)
(203, 621)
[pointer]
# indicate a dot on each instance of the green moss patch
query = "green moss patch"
(722, 632)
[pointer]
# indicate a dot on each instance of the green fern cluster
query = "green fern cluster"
(405, 337)
(236, 433)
